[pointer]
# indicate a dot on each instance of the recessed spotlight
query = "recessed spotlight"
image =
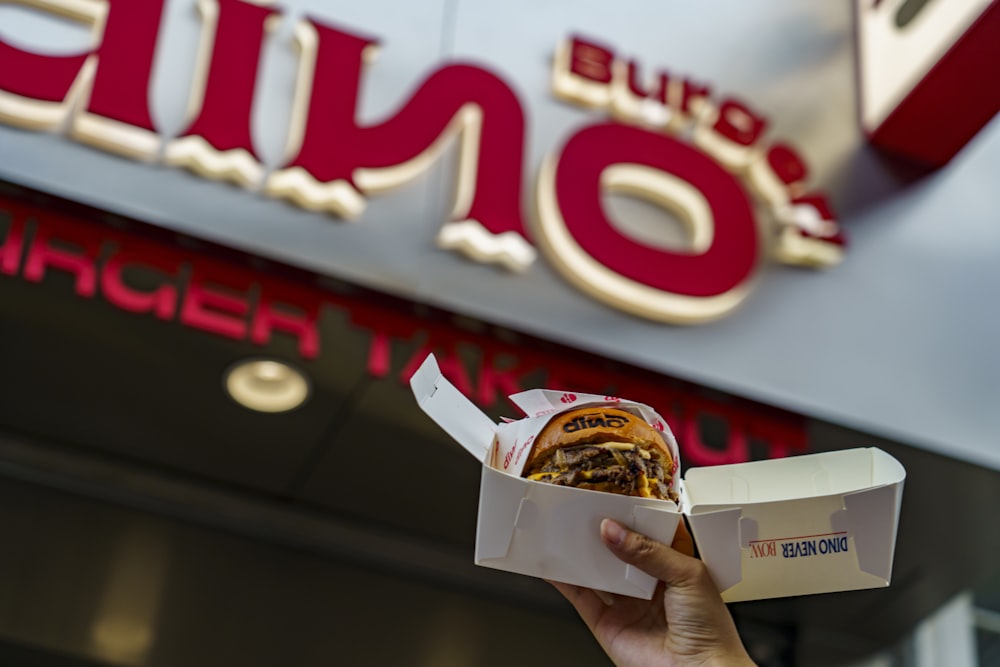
(266, 385)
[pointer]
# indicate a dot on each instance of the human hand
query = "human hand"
(685, 622)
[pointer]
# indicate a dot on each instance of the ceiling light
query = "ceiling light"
(266, 385)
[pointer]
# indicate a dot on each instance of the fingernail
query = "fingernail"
(613, 532)
(607, 598)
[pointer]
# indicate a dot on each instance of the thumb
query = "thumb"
(699, 627)
(652, 557)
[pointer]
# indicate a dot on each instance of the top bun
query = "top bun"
(593, 425)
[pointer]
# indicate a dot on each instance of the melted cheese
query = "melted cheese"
(644, 486)
(538, 476)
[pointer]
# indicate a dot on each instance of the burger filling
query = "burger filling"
(617, 467)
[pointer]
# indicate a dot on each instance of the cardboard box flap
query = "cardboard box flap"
(807, 524)
(718, 533)
(868, 515)
(507, 506)
(548, 531)
(828, 473)
(446, 405)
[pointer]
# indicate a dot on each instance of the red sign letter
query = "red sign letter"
(38, 90)
(674, 286)
(337, 161)
(217, 144)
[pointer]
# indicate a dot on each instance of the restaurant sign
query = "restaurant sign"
(205, 291)
(665, 139)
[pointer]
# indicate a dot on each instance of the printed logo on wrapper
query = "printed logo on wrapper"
(517, 452)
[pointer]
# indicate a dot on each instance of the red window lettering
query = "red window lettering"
(272, 316)
(13, 244)
(162, 301)
(219, 312)
(81, 261)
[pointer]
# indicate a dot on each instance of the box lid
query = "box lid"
(806, 524)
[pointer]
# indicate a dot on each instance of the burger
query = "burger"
(603, 449)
